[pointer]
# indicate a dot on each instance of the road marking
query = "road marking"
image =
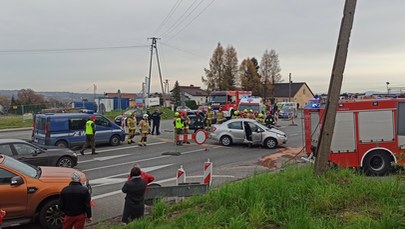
(162, 181)
(104, 158)
(147, 159)
(120, 148)
(111, 180)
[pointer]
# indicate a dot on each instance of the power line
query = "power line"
(182, 50)
(35, 51)
(181, 19)
(192, 20)
(166, 19)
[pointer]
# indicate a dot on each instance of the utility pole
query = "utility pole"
(289, 87)
(154, 46)
(335, 84)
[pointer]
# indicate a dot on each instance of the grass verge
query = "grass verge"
(293, 198)
(14, 121)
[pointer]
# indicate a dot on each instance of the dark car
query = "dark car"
(193, 118)
(138, 114)
(37, 154)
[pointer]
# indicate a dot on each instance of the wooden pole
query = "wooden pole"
(335, 84)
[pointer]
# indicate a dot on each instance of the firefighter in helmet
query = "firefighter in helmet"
(235, 114)
(260, 118)
(144, 129)
(186, 121)
(210, 116)
(131, 127)
(220, 116)
(251, 115)
(244, 113)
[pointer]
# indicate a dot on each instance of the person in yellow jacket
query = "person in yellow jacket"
(131, 123)
(144, 129)
(178, 124)
(90, 136)
(220, 116)
(236, 114)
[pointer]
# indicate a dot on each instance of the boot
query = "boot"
(144, 143)
(140, 144)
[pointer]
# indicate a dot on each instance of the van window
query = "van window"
(77, 123)
(58, 124)
(40, 123)
(101, 121)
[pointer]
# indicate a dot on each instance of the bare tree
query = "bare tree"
(29, 96)
(270, 71)
(214, 74)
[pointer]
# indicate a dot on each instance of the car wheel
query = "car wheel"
(65, 162)
(61, 144)
(377, 163)
(50, 216)
(115, 140)
(270, 143)
(226, 140)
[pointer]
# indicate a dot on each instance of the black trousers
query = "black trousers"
(156, 125)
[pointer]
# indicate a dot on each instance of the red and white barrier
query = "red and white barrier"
(207, 179)
(181, 176)
(200, 136)
(184, 137)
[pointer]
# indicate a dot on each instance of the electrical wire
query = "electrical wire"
(182, 17)
(62, 50)
(192, 20)
(171, 46)
(166, 19)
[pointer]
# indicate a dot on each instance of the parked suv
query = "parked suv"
(28, 192)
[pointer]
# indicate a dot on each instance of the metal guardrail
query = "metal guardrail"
(181, 190)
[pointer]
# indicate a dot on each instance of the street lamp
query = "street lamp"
(388, 90)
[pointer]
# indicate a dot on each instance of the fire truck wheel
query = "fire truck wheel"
(377, 163)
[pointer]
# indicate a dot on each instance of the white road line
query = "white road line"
(115, 149)
(147, 159)
(161, 181)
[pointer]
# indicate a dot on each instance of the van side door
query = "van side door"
(77, 129)
(103, 129)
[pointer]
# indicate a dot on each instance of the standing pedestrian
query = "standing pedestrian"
(156, 121)
(178, 124)
(131, 127)
(220, 116)
(75, 204)
(187, 122)
(90, 136)
(144, 129)
(147, 177)
(135, 196)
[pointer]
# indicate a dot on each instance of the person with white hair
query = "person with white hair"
(75, 204)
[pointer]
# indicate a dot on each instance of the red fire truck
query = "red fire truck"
(368, 134)
(228, 101)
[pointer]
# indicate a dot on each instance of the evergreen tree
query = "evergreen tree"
(176, 94)
(249, 78)
(230, 69)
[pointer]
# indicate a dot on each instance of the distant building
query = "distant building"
(299, 93)
(193, 93)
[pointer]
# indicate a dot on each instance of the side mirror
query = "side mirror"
(17, 180)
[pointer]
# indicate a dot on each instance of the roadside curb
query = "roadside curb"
(15, 129)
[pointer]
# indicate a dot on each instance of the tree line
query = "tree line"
(225, 73)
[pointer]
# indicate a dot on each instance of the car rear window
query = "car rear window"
(235, 125)
(40, 123)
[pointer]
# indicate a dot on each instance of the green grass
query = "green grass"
(293, 198)
(14, 121)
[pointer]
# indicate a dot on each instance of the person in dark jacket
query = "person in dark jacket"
(248, 133)
(75, 203)
(155, 116)
(134, 200)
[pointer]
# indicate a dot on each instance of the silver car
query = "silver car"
(233, 131)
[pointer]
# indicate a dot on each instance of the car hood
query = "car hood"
(59, 174)
(275, 130)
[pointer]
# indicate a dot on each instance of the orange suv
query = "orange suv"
(29, 192)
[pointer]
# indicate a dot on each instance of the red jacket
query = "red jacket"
(146, 177)
(2, 214)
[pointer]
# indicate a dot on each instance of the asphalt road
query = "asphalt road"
(109, 169)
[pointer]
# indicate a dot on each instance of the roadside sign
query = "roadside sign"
(200, 137)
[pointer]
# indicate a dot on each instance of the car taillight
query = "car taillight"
(46, 129)
(213, 129)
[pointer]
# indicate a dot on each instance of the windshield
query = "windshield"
(31, 171)
(248, 107)
(221, 99)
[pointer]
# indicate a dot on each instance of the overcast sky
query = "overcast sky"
(303, 33)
